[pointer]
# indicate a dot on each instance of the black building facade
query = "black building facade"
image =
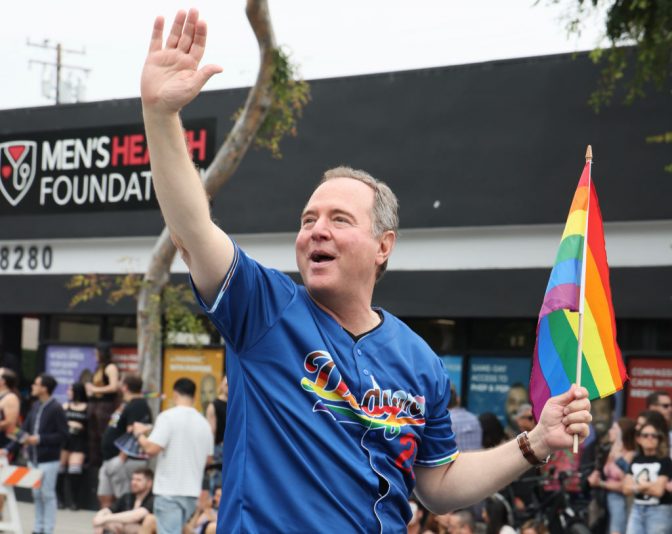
(484, 159)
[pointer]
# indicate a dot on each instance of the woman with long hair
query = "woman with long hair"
(103, 393)
(621, 454)
(74, 450)
(649, 472)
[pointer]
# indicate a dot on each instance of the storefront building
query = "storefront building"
(484, 158)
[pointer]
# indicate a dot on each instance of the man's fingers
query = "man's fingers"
(198, 46)
(577, 417)
(187, 36)
(577, 405)
(176, 29)
(574, 392)
(206, 72)
(156, 41)
(579, 429)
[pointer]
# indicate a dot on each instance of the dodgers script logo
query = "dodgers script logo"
(386, 409)
(17, 169)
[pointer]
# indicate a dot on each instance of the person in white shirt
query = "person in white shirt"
(182, 441)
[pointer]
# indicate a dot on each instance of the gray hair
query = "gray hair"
(385, 212)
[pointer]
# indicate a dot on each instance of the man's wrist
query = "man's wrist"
(533, 447)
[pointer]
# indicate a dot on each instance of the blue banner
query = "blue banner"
(453, 366)
(498, 385)
(69, 364)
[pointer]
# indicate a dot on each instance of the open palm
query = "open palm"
(171, 77)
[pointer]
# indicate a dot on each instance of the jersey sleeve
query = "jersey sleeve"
(249, 302)
(438, 445)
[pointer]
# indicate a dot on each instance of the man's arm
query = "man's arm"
(170, 80)
(11, 410)
(475, 475)
(149, 447)
(131, 516)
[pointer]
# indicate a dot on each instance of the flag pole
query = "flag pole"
(582, 291)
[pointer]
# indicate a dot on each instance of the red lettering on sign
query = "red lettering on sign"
(129, 150)
(197, 144)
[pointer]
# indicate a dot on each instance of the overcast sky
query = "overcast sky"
(325, 37)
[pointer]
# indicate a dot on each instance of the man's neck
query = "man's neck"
(139, 497)
(43, 398)
(181, 400)
(356, 317)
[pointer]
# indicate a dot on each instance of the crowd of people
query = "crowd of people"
(619, 483)
(106, 426)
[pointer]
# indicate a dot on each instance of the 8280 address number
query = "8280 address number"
(16, 258)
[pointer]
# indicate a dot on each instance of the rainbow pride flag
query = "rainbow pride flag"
(554, 365)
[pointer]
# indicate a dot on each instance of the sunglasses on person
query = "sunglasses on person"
(651, 435)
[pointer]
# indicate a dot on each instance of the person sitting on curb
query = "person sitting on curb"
(128, 513)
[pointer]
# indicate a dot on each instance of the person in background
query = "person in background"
(74, 450)
(525, 418)
(10, 409)
(207, 391)
(182, 441)
(661, 402)
(204, 520)
(216, 416)
(515, 398)
(114, 476)
(103, 393)
(610, 479)
(44, 433)
(466, 426)
(497, 516)
(649, 472)
(493, 431)
(128, 513)
(415, 525)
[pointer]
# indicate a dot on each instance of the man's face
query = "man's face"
(664, 406)
(516, 397)
(139, 483)
(36, 389)
(336, 251)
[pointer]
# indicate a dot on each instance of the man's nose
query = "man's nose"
(320, 229)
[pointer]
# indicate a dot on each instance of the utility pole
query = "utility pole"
(59, 66)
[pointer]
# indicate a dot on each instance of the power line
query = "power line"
(47, 87)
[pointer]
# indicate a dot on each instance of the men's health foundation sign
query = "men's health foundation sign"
(87, 170)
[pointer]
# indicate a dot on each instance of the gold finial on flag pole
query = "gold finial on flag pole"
(589, 153)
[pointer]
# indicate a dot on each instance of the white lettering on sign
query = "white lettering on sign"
(90, 188)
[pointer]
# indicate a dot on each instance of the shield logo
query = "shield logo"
(17, 169)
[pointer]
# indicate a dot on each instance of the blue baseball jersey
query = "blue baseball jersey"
(322, 431)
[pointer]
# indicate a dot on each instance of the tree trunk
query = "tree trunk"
(227, 159)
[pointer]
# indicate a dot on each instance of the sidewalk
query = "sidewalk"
(67, 522)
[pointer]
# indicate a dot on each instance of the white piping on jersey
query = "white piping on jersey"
(227, 279)
(389, 485)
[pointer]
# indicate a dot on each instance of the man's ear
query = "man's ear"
(385, 246)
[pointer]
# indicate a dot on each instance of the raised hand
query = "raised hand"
(171, 77)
